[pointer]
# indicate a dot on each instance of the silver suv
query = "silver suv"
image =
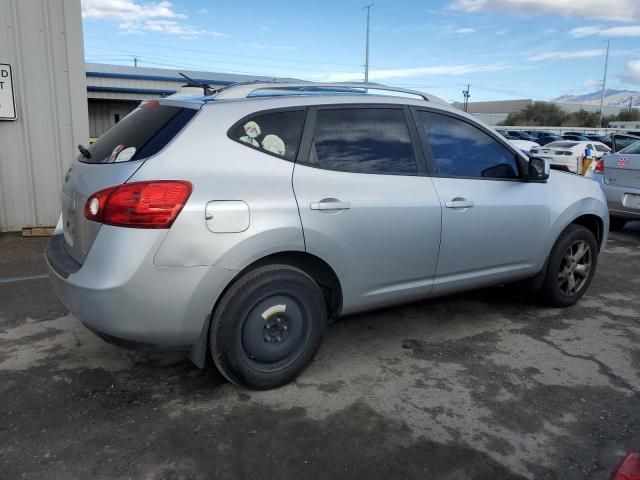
(238, 224)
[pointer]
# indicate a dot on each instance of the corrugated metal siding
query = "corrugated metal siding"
(102, 114)
(42, 40)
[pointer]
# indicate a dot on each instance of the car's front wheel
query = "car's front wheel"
(571, 267)
(268, 327)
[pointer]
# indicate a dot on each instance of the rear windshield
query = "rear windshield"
(142, 133)
(562, 144)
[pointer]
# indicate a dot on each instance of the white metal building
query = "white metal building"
(115, 90)
(41, 45)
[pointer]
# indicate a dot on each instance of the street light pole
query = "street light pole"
(366, 58)
(604, 82)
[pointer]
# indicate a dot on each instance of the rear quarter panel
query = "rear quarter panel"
(222, 169)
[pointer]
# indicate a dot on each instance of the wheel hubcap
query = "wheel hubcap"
(274, 330)
(575, 268)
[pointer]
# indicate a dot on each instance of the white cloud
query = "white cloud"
(170, 27)
(502, 32)
(464, 31)
(414, 72)
(592, 83)
(559, 55)
(137, 17)
(632, 73)
(127, 10)
(627, 31)
(618, 10)
(203, 11)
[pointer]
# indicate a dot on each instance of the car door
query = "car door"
(366, 206)
(620, 141)
(494, 223)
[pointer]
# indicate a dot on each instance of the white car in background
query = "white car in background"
(568, 155)
(524, 145)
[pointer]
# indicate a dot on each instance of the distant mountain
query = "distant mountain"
(611, 97)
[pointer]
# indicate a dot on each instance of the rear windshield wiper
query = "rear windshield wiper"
(84, 151)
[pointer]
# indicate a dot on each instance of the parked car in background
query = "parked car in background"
(522, 135)
(619, 177)
(606, 139)
(567, 155)
(575, 138)
(548, 139)
(524, 145)
(620, 141)
(236, 225)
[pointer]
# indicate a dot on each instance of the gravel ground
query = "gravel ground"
(486, 385)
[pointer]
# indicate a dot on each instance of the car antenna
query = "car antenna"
(193, 83)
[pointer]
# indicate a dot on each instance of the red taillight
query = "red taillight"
(599, 168)
(629, 468)
(154, 204)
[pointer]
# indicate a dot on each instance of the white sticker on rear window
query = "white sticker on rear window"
(114, 153)
(125, 155)
(252, 130)
(273, 144)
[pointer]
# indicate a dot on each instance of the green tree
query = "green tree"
(582, 118)
(537, 114)
(628, 115)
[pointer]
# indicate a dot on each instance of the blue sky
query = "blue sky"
(537, 49)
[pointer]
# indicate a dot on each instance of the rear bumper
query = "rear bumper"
(614, 196)
(570, 163)
(121, 295)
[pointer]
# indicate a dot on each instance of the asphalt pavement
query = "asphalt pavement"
(485, 385)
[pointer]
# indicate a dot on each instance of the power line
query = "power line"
(213, 52)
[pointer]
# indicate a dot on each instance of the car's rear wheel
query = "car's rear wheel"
(571, 267)
(268, 327)
(616, 223)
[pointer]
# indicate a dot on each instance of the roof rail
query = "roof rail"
(244, 90)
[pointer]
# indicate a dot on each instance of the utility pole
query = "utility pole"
(630, 103)
(604, 82)
(135, 61)
(466, 95)
(366, 55)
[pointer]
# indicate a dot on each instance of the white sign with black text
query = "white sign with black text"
(7, 100)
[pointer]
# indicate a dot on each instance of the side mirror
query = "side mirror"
(539, 169)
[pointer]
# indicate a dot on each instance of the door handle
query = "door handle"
(330, 204)
(459, 203)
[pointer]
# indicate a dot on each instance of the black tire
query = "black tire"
(268, 327)
(616, 223)
(556, 288)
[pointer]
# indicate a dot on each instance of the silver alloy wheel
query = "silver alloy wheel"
(575, 268)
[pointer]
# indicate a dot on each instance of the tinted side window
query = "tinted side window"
(277, 133)
(462, 150)
(363, 140)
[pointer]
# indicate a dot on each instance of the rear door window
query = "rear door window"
(363, 140)
(275, 133)
(141, 134)
(459, 149)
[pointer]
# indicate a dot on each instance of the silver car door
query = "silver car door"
(493, 223)
(365, 205)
